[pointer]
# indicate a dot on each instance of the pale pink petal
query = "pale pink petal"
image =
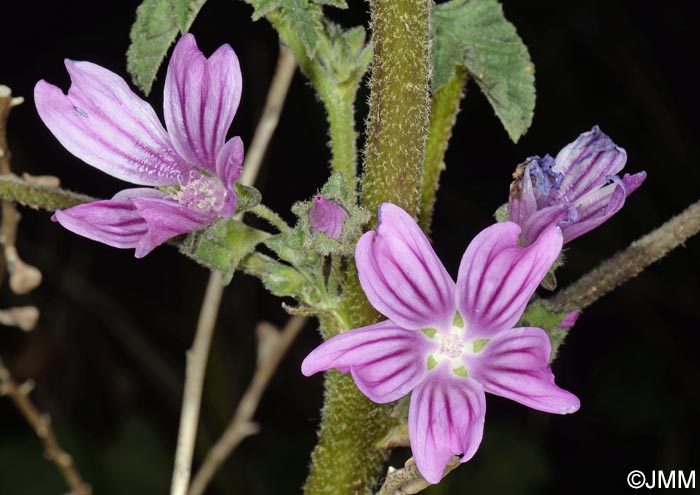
(114, 222)
(229, 162)
(497, 278)
(201, 99)
(445, 418)
(514, 364)
(386, 361)
(102, 122)
(401, 274)
(166, 219)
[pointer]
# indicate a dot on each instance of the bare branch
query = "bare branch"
(628, 263)
(41, 423)
(197, 356)
(271, 349)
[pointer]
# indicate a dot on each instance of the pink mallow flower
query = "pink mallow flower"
(445, 343)
(327, 217)
(578, 190)
(191, 168)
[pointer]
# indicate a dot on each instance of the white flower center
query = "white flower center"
(451, 345)
(201, 193)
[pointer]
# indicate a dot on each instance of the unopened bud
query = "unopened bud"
(327, 217)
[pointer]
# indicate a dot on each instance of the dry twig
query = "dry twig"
(197, 357)
(271, 349)
(628, 263)
(41, 423)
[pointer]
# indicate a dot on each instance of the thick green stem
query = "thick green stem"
(339, 101)
(399, 104)
(346, 460)
(38, 196)
(443, 114)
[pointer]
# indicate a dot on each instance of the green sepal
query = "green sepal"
(461, 371)
(429, 332)
(248, 197)
(501, 214)
(458, 321)
(338, 190)
(538, 315)
(549, 281)
(476, 35)
(478, 345)
(432, 362)
(223, 245)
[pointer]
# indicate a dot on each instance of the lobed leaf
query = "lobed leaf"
(158, 22)
(476, 35)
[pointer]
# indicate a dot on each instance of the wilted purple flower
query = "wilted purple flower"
(448, 343)
(328, 217)
(578, 190)
(193, 167)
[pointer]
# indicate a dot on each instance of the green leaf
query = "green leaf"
(223, 245)
(158, 22)
(302, 16)
(264, 7)
(305, 19)
(475, 34)
(341, 4)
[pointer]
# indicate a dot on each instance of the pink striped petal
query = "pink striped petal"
(401, 274)
(229, 163)
(514, 364)
(497, 278)
(166, 219)
(539, 221)
(386, 361)
(102, 122)
(114, 222)
(201, 99)
(587, 163)
(522, 203)
(445, 418)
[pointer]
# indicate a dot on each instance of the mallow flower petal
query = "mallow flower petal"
(229, 162)
(514, 364)
(445, 418)
(497, 278)
(522, 203)
(386, 361)
(540, 220)
(116, 223)
(200, 101)
(401, 274)
(166, 219)
(587, 163)
(105, 124)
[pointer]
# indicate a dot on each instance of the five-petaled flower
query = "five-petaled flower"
(191, 166)
(448, 343)
(578, 190)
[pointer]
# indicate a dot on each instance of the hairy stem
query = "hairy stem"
(41, 423)
(443, 114)
(346, 460)
(338, 100)
(399, 104)
(628, 263)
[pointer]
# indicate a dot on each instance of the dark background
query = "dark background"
(108, 353)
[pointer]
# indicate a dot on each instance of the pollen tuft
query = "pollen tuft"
(451, 346)
(201, 193)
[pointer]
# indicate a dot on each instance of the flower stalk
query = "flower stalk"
(345, 460)
(443, 115)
